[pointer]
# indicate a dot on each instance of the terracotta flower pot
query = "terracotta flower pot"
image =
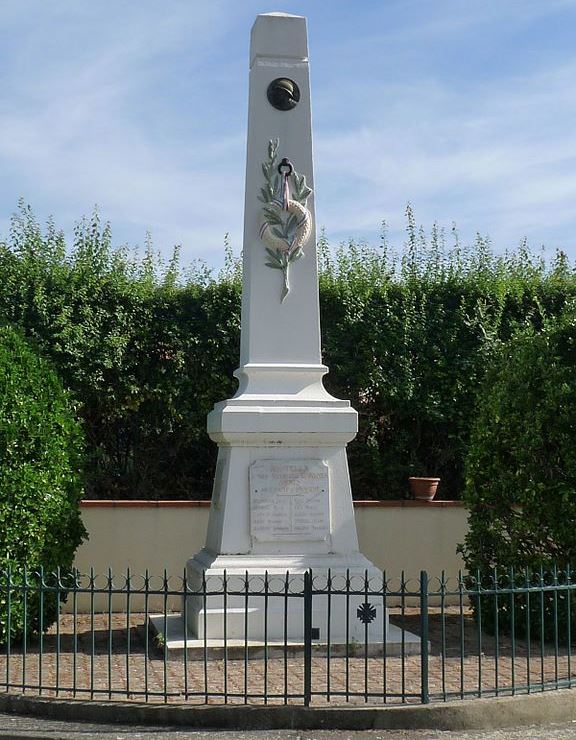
(423, 489)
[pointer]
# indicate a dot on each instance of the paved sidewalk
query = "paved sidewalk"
(120, 658)
(24, 727)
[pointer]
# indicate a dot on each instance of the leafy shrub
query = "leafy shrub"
(532, 603)
(521, 469)
(40, 483)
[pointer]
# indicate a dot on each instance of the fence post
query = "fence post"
(424, 637)
(307, 637)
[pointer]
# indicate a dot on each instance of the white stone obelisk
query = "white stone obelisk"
(281, 499)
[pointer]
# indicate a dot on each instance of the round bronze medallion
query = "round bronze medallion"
(283, 94)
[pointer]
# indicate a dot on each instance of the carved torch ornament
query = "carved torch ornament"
(286, 222)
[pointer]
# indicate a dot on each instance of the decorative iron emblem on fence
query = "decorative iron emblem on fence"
(366, 613)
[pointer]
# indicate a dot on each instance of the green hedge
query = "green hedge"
(40, 483)
(409, 343)
(148, 348)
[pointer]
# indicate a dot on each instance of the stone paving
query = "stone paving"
(27, 727)
(101, 658)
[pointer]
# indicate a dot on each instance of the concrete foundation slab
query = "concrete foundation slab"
(169, 630)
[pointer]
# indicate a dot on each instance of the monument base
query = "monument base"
(171, 632)
(258, 598)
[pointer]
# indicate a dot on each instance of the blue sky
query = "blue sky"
(466, 109)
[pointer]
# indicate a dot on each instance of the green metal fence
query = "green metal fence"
(494, 634)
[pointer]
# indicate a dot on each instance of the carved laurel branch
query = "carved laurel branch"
(284, 231)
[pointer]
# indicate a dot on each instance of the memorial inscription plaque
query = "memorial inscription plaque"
(289, 500)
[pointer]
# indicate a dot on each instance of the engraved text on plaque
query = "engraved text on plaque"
(289, 500)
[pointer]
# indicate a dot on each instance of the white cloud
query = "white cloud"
(503, 152)
(137, 107)
(71, 134)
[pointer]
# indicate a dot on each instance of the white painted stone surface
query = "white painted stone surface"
(281, 417)
(276, 334)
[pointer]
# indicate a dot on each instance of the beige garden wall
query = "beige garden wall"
(407, 536)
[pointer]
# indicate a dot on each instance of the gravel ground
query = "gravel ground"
(24, 727)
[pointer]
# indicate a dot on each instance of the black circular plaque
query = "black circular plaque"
(283, 94)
